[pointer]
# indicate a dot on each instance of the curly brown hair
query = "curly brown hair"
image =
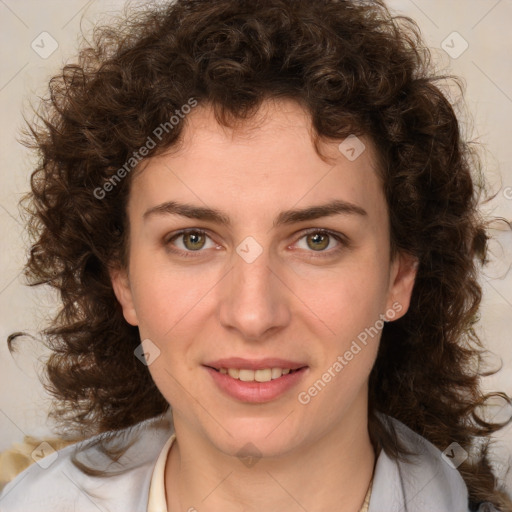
(356, 69)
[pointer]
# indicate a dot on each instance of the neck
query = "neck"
(339, 462)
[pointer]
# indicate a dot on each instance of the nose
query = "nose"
(255, 299)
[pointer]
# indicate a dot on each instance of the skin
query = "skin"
(295, 301)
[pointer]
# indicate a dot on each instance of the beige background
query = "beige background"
(483, 25)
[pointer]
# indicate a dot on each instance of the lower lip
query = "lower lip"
(256, 392)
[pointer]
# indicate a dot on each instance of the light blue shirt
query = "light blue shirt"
(425, 483)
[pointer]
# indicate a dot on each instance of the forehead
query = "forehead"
(268, 160)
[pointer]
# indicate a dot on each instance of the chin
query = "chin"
(254, 437)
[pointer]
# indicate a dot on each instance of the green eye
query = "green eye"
(193, 240)
(317, 241)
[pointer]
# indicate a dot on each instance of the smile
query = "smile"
(256, 386)
(263, 375)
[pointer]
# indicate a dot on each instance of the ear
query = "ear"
(402, 278)
(123, 292)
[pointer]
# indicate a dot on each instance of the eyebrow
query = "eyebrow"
(336, 207)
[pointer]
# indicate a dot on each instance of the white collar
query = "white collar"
(157, 501)
(424, 482)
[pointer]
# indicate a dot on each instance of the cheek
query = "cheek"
(169, 308)
(172, 307)
(166, 297)
(348, 329)
(346, 299)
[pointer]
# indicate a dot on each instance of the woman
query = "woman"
(261, 216)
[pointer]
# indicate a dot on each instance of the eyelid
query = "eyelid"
(342, 240)
(176, 234)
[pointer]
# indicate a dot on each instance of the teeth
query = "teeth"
(246, 375)
(233, 373)
(276, 373)
(264, 375)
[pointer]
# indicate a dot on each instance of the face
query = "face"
(261, 277)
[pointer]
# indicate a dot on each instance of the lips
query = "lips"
(254, 391)
(256, 380)
(255, 364)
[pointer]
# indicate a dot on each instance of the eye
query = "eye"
(186, 242)
(318, 240)
(192, 240)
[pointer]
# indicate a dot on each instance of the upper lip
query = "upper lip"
(254, 364)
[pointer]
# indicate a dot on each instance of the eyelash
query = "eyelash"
(341, 239)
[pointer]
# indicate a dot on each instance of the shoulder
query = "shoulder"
(57, 485)
(425, 481)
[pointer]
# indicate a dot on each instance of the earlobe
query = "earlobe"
(402, 284)
(123, 293)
